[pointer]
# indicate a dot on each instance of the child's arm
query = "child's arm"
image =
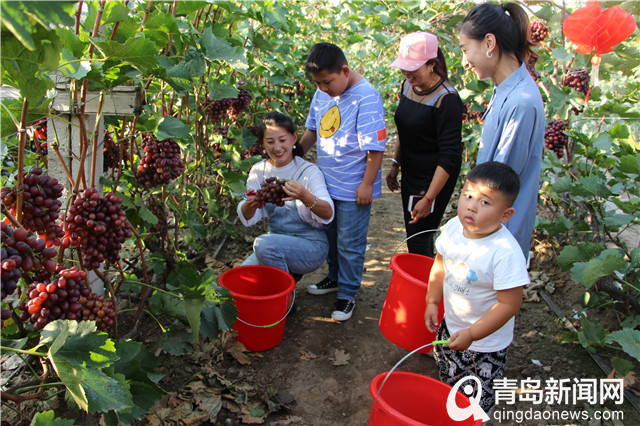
(308, 139)
(364, 193)
(434, 294)
(508, 304)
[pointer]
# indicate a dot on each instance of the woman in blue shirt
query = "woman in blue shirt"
(495, 42)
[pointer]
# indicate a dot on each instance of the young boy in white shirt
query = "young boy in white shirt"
(480, 271)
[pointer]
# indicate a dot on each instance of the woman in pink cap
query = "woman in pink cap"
(429, 148)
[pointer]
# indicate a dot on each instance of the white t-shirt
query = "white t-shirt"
(474, 270)
(312, 179)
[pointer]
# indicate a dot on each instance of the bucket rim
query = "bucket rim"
(413, 280)
(382, 403)
(291, 287)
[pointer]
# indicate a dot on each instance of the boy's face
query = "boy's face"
(482, 209)
(332, 83)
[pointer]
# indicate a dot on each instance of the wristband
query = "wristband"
(429, 200)
(394, 161)
(314, 203)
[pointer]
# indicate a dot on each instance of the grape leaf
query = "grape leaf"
(591, 333)
(48, 418)
(172, 128)
(600, 267)
(78, 353)
(629, 339)
(140, 52)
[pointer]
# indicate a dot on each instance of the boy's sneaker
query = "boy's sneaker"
(297, 277)
(323, 287)
(343, 309)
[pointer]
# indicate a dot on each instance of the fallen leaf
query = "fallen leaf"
(194, 419)
(341, 358)
(213, 263)
(209, 403)
(307, 355)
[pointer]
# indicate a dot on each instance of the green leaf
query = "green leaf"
(591, 185)
(114, 11)
(148, 217)
(591, 333)
(628, 339)
(73, 68)
(48, 418)
(193, 307)
(193, 65)
(601, 267)
(219, 49)
(603, 142)
(630, 164)
(172, 128)
(136, 363)
(222, 91)
(176, 342)
(561, 55)
(563, 184)
(14, 18)
(621, 365)
(631, 322)
(580, 253)
(216, 317)
(139, 52)
(78, 353)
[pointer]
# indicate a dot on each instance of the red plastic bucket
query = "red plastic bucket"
(262, 296)
(412, 399)
(402, 316)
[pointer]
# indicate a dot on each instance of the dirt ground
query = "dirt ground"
(326, 367)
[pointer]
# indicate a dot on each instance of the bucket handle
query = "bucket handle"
(293, 300)
(411, 236)
(435, 342)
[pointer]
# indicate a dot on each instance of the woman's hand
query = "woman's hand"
(296, 191)
(392, 178)
(249, 208)
(421, 210)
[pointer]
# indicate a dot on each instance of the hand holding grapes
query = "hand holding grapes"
(296, 191)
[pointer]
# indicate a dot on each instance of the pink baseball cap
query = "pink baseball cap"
(415, 50)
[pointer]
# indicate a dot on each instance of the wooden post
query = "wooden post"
(64, 129)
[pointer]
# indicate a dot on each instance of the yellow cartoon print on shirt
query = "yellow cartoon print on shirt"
(330, 122)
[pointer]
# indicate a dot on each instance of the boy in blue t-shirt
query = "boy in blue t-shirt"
(346, 119)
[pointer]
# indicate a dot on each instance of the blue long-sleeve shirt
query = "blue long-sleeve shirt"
(513, 133)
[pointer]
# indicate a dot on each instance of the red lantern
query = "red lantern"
(592, 28)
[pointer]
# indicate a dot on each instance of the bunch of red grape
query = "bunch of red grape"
(554, 138)
(218, 109)
(161, 163)
(96, 308)
(468, 114)
(272, 191)
(239, 104)
(58, 299)
(40, 205)
(578, 79)
(539, 31)
(97, 227)
(112, 151)
(23, 253)
(531, 67)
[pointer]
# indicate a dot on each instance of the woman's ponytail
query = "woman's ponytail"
(517, 13)
(509, 24)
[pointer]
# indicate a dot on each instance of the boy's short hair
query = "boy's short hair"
(497, 176)
(325, 56)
